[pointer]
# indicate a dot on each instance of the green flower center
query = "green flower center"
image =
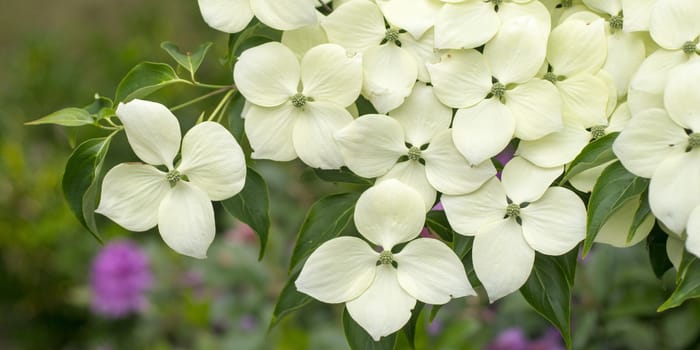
(495, 2)
(598, 131)
(386, 257)
(498, 91)
(513, 210)
(173, 177)
(299, 100)
(694, 140)
(689, 47)
(414, 153)
(392, 35)
(616, 23)
(567, 3)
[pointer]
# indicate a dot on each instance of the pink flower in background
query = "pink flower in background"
(509, 339)
(119, 278)
(505, 156)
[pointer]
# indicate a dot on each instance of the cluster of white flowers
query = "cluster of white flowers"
(453, 83)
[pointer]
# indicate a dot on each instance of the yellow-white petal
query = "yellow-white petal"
(611, 7)
(681, 95)
(285, 15)
(577, 47)
(412, 173)
(692, 243)
(267, 75)
(313, 134)
(468, 213)
(465, 25)
(131, 195)
(674, 190)
(647, 85)
(356, 25)
(213, 160)
(303, 39)
(585, 97)
(422, 50)
(339, 270)
(481, 131)
(626, 52)
(637, 14)
(673, 22)
(389, 75)
(422, 115)
(526, 182)
(555, 223)
(152, 130)
(431, 272)
(186, 220)
(557, 148)
(328, 73)
(230, 16)
(537, 108)
(461, 78)
(516, 53)
(269, 131)
(585, 180)
(414, 16)
(615, 230)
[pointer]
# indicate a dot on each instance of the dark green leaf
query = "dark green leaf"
(436, 221)
(548, 290)
(254, 35)
(341, 175)
(656, 243)
(326, 219)
(188, 60)
(146, 78)
(364, 106)
(614, 188)
(410, 328)
(235, 118)
(99, 104)
(79, 180)
(642, 213)
(252, 206)
(462, 245)
(594, 154)
(289, 301)
(358, 339)
(66, 117)
(688, 285)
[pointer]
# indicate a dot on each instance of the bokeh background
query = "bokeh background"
(57, 54)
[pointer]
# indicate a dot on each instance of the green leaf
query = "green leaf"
(596, 153)
(146, 78)
(642, 213)
(410, 328)
(688, 283)
(656, 243)
(254, 35)
(436, 221)
(341, 175)
(252, 206)
(235, 118)
(65, 117)
(80, 185)
(188, 60)
(326, 219)
(548, 290)
(614, 188)
(358, 339)
(289, 301)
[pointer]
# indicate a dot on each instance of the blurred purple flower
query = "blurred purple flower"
(435, 327)
(551, 340)
(509, 339)
(505, 156)
(119, 278)
(248, 323)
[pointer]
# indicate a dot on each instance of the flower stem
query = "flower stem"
(222, 103)
(203, 97)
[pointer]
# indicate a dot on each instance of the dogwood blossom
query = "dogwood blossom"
(140, 196)
(381, 288)
(232, 16)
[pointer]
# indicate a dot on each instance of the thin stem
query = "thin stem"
(203, 97)
(223, 110)
(221, 104)
(212, 86)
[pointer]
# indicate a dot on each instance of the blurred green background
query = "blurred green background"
(59, 54)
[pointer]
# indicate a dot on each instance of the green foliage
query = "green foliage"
(288, 301)
(614, 188)
(66, 117)
(343, 175)
(436, 221)
(656, 244)
(642, 213)
(146, 78)
(252, 206)
(548, 290)
(358, 339)
(687, 283)
(235, 117)
(188, 60)
(411, 327)
(256, 34)
(596, 153)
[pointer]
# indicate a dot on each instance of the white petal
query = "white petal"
(389, 75)
(674, 250)
(611, 7)
(269, 131)
(585, 180)
(448, 171)
(502, 259)
(230, 16)
(516, 53)
(480, 132)
(619, 118)
(576, 47)
(461, 78)
(371, 145)
(329, 74)
(637, 14)
(412, 173)
(285, 15)
(512, 12)
(431, 272)
(681, 95)
(674, 190)
(389, 213)
(267, 75)
(303, 39)
(384, 307)
(626, 52)
(555, 223)
(526, 182)
(537, 109)
(152, 130)
(422, 115)
(557, 148)
(415, 16)
(470, 212)
(131, 194)
(338, 270)
(606, 78)
(692, 243)
(477, 18)
(647, 85)
(213, 160)
(356, 25)
(313, 134)
(422, 50)
(616, 228)
(648, 139)
(186, 220)
(673, 22)
(585, 97)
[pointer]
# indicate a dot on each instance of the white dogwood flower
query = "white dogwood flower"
(295, 108)
(513, 218)
(381, 288)
(140, 196)
(232, 16)
(413, 144)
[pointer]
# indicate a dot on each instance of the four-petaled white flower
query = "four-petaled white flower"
(140, 196)
(295, 108)
(232, 16)
(512, 219)
(381, 288)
